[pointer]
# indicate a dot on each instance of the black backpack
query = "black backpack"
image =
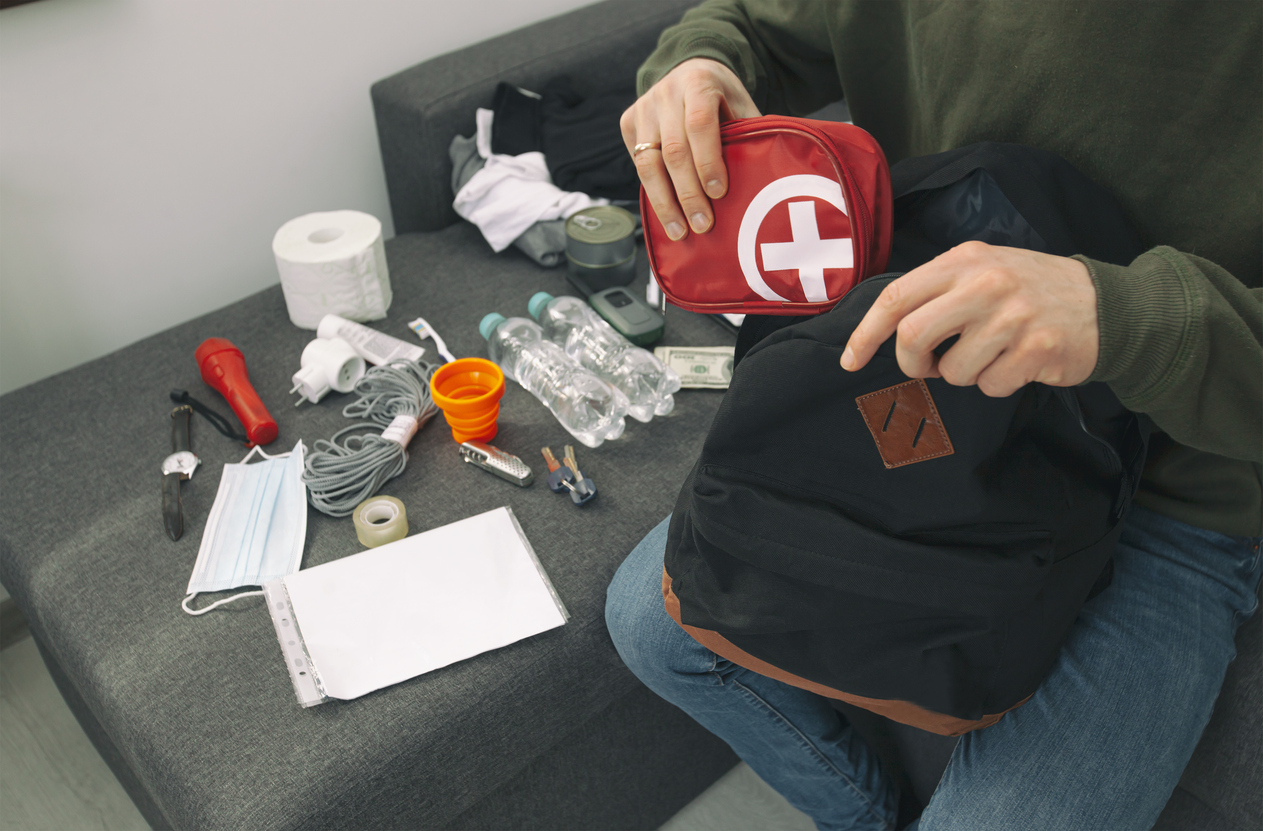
(914, 548)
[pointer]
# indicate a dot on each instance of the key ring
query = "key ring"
(564, 476)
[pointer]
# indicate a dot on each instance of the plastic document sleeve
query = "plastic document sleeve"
(373, 619)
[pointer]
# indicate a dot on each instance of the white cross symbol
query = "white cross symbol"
(807, 253)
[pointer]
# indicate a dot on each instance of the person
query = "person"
(1160, 104)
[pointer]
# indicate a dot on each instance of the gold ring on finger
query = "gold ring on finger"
(646, 145)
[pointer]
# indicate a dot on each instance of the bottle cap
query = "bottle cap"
(537, 302)
(489, 324)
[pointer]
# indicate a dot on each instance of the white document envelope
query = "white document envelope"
(391, 613)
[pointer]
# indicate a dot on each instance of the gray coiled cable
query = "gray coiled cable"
(342, 473)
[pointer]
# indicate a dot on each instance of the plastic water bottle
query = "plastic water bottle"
(591, 342)
(588, 407)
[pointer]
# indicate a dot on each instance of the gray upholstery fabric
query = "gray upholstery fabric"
(1226, 771)
(199, 711)
(1187, 813)
(420, 109)
(104, 745)
(641, 729)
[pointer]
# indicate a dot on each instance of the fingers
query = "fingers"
(1021, 317)
(986, 316)
(677, 155)
(681, 116)
(659, 189)
(896, 301)
(702, 112)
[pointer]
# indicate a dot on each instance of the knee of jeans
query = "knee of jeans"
(650, 643)
(626, 613)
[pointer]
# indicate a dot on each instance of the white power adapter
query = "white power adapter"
(327, 364)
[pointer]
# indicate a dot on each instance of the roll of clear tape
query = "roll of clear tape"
(379, 520)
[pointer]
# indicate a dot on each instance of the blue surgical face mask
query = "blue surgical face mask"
(256, 528)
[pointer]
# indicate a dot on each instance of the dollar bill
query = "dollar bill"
(699, 367)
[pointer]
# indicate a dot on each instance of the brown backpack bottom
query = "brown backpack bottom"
(904, 712)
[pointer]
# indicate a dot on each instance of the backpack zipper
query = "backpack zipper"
(1116, 461)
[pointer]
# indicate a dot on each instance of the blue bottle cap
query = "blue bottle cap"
(489, 324)
(537, 302)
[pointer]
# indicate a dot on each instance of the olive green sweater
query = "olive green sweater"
(1161, 103)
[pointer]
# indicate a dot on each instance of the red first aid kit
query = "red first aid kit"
(806, 217)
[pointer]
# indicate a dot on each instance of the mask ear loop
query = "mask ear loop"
(217, 603)
(265, 454)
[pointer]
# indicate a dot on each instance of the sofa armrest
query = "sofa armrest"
(420, 109)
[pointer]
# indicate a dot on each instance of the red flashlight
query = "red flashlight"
(224, 368)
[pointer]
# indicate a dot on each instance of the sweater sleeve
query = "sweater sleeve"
(782, 51)
(1182, 341)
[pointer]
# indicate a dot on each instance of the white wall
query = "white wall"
(149, 150)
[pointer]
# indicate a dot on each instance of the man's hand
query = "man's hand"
(680, 116)
(1022, 316)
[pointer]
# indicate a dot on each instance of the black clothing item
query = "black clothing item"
(515, 129)
(577, 132)
(582, 141)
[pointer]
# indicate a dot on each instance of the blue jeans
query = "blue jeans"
(1101, 745)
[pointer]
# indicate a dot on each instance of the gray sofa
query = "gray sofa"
(197, 716)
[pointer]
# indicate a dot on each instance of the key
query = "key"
(583, 489)
(581, 497)
(558, 474)
(570, 462)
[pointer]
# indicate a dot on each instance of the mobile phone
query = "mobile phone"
(629, 315)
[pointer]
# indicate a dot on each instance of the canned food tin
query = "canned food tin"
(601, 246)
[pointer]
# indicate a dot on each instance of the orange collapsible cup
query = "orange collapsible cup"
(468, 392)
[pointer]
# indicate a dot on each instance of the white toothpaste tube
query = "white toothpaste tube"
(371, 345)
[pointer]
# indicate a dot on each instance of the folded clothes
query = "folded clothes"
(512, 193)
(544, 242)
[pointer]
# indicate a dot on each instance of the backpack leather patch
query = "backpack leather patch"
(905, 424)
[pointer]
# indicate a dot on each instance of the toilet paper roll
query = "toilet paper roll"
(332, 263)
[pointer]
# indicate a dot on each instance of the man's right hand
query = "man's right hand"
(680, 116)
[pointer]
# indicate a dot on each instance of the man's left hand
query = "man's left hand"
(1022, 316)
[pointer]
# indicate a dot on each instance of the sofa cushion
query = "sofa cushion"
(201, 710)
